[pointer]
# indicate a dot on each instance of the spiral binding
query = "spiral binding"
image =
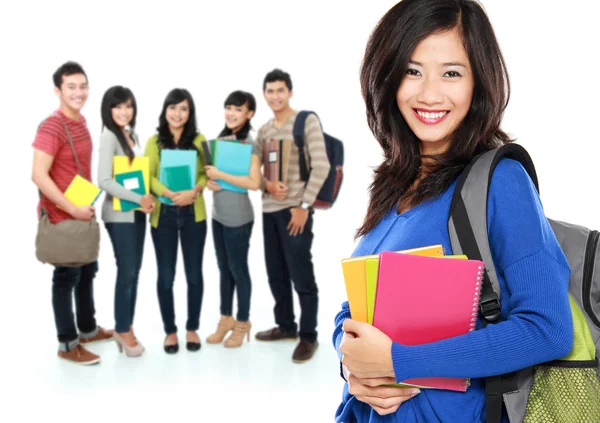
(465, 383)
(475, 307)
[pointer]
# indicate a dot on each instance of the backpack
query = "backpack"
(565, 390)
(335, 153)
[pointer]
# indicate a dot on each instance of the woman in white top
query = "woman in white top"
(126, 229)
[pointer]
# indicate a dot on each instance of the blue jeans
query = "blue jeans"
(178, 224)
(289, 260)
(128, 245)
(231, 247)
(69, 282)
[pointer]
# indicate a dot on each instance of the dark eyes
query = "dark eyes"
(449, 74)
(452, 74)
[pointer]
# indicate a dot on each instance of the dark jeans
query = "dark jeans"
(128, 245)
(231, 247)
(79, 281)
(178, 224)
(288, 257)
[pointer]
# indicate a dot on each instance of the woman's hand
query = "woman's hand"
(147, 204)
(367, 351)
(212, 172)
(213, 186)
(184, 198)
(383, 399)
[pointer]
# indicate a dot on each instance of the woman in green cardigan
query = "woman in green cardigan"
(182, 219)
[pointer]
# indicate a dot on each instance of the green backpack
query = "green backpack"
(565, 390)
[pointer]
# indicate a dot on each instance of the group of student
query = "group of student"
(287, 217)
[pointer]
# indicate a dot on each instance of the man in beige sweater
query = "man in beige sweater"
(288, 220)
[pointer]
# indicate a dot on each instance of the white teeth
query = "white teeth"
(428, 115)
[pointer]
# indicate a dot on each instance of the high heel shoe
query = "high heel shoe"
(236, 339)
(135, 351)
(226, 323)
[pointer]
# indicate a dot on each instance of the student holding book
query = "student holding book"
(232, 221)
(54, 167)
(435, 86)
(178, 216)
(126, 229)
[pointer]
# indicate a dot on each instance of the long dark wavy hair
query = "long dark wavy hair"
(384, 65)
(190, 131)
(113, 97)
(238, 99)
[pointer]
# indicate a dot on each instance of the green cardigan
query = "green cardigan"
(157, 187)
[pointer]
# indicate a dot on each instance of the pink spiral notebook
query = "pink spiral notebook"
(426, 299)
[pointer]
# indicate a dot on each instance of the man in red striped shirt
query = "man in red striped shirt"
(54, 167)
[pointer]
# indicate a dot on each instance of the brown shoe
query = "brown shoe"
(275, 335)
(304, 351)
(102, 335)
(226, 323)
(79, 355)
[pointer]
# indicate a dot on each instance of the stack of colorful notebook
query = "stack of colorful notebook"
(230, 156)
(416, 297)
(134, 176)
(178, 170)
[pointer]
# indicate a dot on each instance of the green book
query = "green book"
(177, 178)
(133, 181)
(372, 267)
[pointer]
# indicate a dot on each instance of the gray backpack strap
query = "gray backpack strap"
(467, 227)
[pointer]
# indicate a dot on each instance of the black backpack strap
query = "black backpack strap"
(467, 226)
(299, 126)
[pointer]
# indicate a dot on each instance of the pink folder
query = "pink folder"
(426, 299)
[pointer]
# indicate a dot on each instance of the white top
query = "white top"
(137, 150)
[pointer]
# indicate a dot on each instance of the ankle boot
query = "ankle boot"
(226, 323)
(236, 338)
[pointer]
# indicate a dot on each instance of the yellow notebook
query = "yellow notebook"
(121, 165)
(82, 192)
(355, 279)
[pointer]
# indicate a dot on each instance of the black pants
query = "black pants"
(289, 260)
(128, 245)
(69, 282)
(178, 225)
(231, 247)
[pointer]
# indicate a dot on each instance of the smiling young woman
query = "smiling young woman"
(435, 87)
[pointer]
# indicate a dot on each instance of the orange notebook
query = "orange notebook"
(421, 300)
(355, 279)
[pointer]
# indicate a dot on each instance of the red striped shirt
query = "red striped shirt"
(52, 138)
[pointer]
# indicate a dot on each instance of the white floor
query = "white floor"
(258, 381)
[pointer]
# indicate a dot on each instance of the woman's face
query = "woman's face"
(435, 95)
(177, 115)
(237, 116)
(122, 114)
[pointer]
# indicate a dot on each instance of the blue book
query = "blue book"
(233, 158)
(176, 158)
(133, 181)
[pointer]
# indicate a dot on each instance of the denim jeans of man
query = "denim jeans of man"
(78, 283)
(128, 246)
(288, 260)
(231, 247)
(175, 225)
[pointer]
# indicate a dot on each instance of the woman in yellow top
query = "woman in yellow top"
(178, 217)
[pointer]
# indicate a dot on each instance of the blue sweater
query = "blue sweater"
(536, 319)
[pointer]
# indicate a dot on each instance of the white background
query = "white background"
(212, 48)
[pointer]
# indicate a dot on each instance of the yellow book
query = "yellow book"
(355, 279)
(121, 165)
(82, 192)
